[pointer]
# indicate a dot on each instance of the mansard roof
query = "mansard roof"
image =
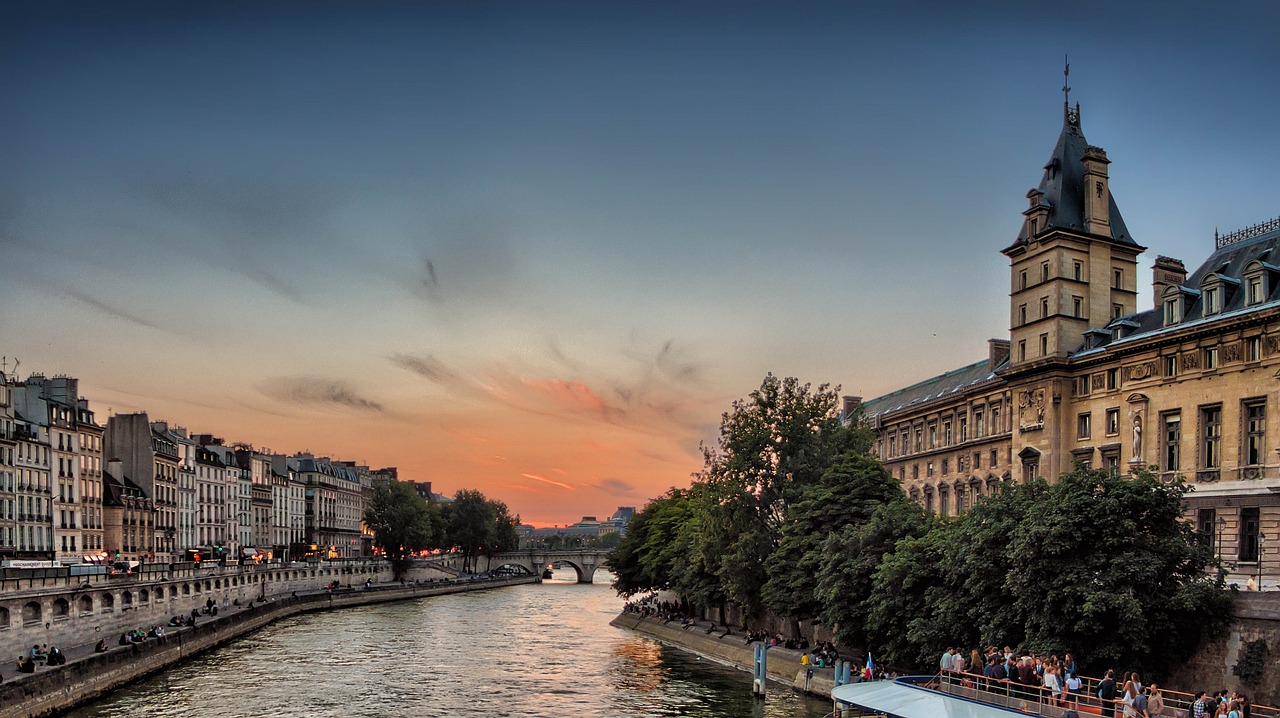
(1234, 257)
(1062, 184)
(951, 384)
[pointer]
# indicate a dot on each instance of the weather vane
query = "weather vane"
(1066, 76)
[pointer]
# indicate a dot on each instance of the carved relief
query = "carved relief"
(1273, 343)
(1231, 352)
(1140, 371)
(1031, 407)
(1191, 360)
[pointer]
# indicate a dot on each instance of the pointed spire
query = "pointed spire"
(1066, 77)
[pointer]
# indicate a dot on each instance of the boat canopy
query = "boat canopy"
(902, 698)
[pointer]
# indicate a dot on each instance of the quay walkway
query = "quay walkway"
(88, 674)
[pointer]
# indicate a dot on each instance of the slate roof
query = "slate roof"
(1229, 262)
(938, 387)
(1063, 184)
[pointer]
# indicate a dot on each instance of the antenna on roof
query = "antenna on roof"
(1066, 76)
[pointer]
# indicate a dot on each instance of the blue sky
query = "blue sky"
(493, 241)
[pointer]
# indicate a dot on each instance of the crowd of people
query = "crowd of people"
(40, 655)
(1056, 681)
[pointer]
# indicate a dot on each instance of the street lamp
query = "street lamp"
(1222, 571)
(1261, 537)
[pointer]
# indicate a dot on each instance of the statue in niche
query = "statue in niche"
(1137, 436)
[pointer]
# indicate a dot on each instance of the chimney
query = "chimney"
(998, 351)
(1167, 272)
(115, 467)
(851, 406)
(1097, 196)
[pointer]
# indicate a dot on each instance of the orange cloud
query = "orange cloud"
(545, 480)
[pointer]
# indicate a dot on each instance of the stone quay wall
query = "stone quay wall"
(782, 665)
(70, 610)
(59, 688)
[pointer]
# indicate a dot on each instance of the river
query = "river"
(531, 650)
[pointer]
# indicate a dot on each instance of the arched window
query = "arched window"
(86, 605)
(108, 602)
(61, 609)
(186, 589)
(4, 619)
(159, 592)
(197, 586)
(31, 613)
(126, 599)
(144, 596)
(217, 584)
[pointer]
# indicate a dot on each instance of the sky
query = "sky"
(537, 248)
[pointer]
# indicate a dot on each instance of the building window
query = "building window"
(1044, 271)
(979, 428)
(1083, 385)
(919, 440)
(1022, 314)
(945, 467)
(1077, 306)
(915, 471)
(1044, 307)
(1211, 300)
(1206, 524)
(928, 470)
(1249, 525)
(1211, 358)
(995, 420)
(1254, 293)
(994, 460)
(1211, 436)
(1171, 441)
(1117, 310)
(1082, 425)
(964, 429)
(1253, 349)
(977, 460)
(1044, 345)
(1113, 422)
(1022, 350)
(1077, 270)
(1113, 379)
(1022, 279)
(1117, 278)
(1171, 366)
(1255, 426)
(1171, 311)
(942, 502)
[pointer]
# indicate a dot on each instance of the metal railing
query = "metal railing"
(1037, 700)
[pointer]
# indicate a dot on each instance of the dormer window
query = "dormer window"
(1172, 312)
(1212, 300)
(1254, 291)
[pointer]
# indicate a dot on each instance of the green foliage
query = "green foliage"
(1253, 662)
(844, 497)
(773, 445)
(475, 525)
(403, 523)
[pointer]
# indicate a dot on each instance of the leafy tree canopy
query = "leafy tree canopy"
(403, 523)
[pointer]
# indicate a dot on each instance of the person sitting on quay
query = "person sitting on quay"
(101, 646)
(26, 665)
(56, 657)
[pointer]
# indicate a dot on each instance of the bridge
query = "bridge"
(584, 561)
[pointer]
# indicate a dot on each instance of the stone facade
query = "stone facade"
(1182, 388)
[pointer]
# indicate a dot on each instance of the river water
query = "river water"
(531, 650)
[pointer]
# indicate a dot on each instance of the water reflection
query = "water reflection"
(523, 651)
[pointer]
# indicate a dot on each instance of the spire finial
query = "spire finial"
(1066, 76)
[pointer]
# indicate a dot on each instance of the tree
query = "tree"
(845, 497)
(772, 445)
(469, 525)
(1107, 568)
(403, 523)
(644, 558)
(502, 536)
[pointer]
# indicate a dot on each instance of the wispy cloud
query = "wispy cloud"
(111, 310)
(319, 391)
(545, 480)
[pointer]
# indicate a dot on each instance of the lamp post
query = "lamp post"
(1222, 572)
(1261, 537)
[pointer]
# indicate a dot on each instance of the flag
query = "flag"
(870, 670)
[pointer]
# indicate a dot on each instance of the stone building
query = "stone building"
(150, 459)
(1182, 387)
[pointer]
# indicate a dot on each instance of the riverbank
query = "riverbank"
(56, 689)
(783, 664)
